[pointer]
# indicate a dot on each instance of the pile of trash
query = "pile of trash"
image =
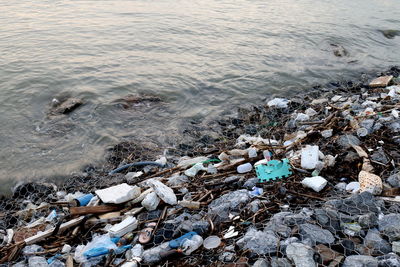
(322, 188)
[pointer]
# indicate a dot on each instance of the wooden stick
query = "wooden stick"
(93, 209)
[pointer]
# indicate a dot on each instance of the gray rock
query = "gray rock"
(357, 204)
(380, 156)
(280, 262)
(328, 219)
(360, 261)
(259, 242)
(221, 206)
(250, 183)
(36, 261)
(389, 225)
(396, 246)
(316, 234)
(368, 220)
(261, 263)
(375, 243)
(254, 206)
(286, 242)
(281, 229)
(301, 255)
(389, 260)
(347, 140)
(394, 180)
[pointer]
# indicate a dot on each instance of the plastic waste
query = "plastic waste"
(151, 201)
(212, 242)
(211, 169)
(252, 152)
(176, 243)
(194, 205)
(118, 194)
(273, 170)
(52, 216)
(37, 261)
(231, 232)
(316, 183)
(278, 102)
(190, 245)
(247, 167)
(135, 253)
(302, 117)
(186, 162)
(192, 172)
(83, 200)
(309, 157)
(256, 191)
(127, 225)
(164, 192)
(267, 155)
(361, 132)
(66, 249)
(32, 249)
(327, 133)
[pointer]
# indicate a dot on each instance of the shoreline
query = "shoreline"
(353, 125)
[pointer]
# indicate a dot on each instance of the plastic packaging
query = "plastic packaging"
(247, 167)
(212, 242)
(176, 243)
(309, 157)
(124, 227)
(361, 132)
(278, 102)
(151, 201)
(192, 244)
(164, 192)
(118, 193)
(252, 152)
(192, 172)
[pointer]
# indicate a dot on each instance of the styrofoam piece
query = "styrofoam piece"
(164, 192)
(316, 183)
(124, 227)
(309, 157)
(118, 193)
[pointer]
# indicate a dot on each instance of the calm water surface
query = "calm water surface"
(200, 57)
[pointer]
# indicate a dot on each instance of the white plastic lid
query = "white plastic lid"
(212, 242)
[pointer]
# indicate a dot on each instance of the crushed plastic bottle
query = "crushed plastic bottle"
(192, 244)
(247, 167)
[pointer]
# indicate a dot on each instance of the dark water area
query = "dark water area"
(201, 58)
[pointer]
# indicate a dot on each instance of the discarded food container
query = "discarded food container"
(309, 157)
(212, 242)
(118, 194)
(127, 225)
(244, 168)
(273, 170)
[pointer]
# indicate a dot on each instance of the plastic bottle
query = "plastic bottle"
(244, 168)
(192, 244)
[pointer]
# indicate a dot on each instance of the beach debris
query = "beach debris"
(118, 194)
(273, 169)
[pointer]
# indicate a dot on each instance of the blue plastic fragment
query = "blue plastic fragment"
(273, 170)
(176, 243)
(84, 200)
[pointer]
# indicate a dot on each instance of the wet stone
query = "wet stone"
(360, 261)
(389, 260)
(280, 262)
(357, 204)
(301, 255)
(328, 219)
(259, 242)
(380, 156)
(316, 234)
(375, 243)
(389, 225)
(261, 263)
(368, 220)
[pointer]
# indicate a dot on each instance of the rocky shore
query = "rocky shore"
(309, 181)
